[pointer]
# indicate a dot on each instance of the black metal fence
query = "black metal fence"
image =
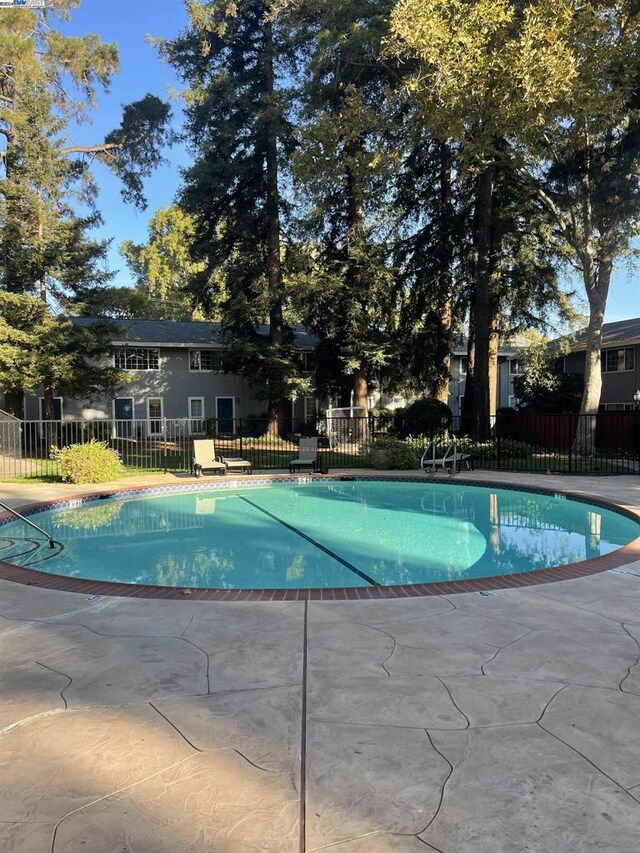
(607, 443)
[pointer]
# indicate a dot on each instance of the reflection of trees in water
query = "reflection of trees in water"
(88, 518)
(121, 518)
(518, 558)
(503, 517)
(295, 571)
(201, 569)
(224, 568)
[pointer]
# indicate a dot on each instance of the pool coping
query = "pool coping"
(42, 580)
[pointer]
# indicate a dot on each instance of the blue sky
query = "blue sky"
(127, 22)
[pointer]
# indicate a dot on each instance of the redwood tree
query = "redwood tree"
(232, 59)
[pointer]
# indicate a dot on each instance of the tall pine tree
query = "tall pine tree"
(233, 59)
(343, 171)
(48, 80)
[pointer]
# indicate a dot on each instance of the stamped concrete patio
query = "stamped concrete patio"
(499, 722)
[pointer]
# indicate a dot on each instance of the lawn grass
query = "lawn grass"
(276, 457)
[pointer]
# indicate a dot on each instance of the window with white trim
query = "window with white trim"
(137, 358)
(206, 360)
(308, 361)
(617, 360)
(463, 365)
(516, 367)
(619, 407)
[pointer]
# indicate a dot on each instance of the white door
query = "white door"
(154, 415)
(196, 415)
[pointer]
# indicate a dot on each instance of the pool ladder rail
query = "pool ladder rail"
(52, 542)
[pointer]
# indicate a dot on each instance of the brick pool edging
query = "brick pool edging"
(30, 577)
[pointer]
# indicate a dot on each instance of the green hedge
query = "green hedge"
(386, 453)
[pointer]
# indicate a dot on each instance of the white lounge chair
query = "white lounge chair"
(433, 460)
(236, 463)
(204, 458)
(307, 455)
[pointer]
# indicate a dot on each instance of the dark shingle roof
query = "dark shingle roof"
(622, 332)
(182, 333)
(508, 348)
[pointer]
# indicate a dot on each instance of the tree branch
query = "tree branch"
(90, 149)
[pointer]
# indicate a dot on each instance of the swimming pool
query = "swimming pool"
(316, 534)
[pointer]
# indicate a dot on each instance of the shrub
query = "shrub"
(428, 416)
(514, 449)
(93, 462)
(383, 420)
(389, 453)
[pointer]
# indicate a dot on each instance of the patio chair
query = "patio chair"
(237, 463)
(307, 455)
(204, 458)
(450, 460)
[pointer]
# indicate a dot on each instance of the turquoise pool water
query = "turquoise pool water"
(318, 534)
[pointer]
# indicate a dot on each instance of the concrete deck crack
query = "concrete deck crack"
(206, 654)
(25, 721)
(426, 844)
(175, 728)
(193, 616)
(421, 617)
(443, 786)
(64, 675)
(548, 704)
(453, 701)
(112, 794)
(54, 621)
(506, 646)
(637, 660)
(583, 609)
(620, 787)
(375, 832)
(388, 725)
(383, 663)
(252, 763)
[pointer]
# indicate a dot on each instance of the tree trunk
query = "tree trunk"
(494, 344)
(466, 419)
(597, 286)
(274, 261)
(353, 278)
(361, 400)
(361, 390)
(47, 388)
(445, 314)
(482, 308)
(275, 417)
(443, 354)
